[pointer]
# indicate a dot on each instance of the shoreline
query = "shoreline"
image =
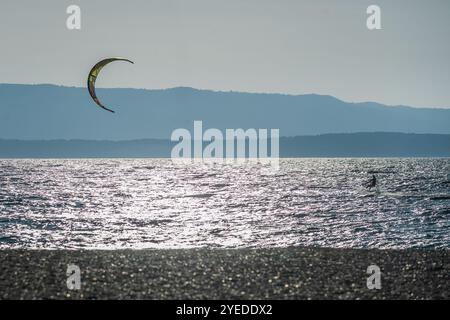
(275, 273)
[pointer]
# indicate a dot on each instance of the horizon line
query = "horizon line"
(281, 137)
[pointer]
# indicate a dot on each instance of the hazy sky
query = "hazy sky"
(296, 47)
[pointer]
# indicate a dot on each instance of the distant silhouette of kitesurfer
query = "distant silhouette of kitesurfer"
(372, 183)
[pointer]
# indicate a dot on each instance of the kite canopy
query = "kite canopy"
(93, 77)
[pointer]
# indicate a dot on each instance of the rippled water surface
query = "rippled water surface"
(152, 203)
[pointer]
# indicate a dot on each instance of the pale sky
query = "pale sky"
(281, 46)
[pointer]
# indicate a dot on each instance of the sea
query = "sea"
(156, 203)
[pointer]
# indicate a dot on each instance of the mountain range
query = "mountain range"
(50, 112)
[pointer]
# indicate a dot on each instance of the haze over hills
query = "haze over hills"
(43, 112)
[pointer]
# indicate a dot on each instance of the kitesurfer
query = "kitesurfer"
(373, 182)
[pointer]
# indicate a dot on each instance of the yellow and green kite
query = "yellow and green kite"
(93, 77)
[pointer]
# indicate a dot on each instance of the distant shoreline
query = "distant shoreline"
(273, 273)
(344, 145)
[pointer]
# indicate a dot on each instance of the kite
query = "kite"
(93, 77)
